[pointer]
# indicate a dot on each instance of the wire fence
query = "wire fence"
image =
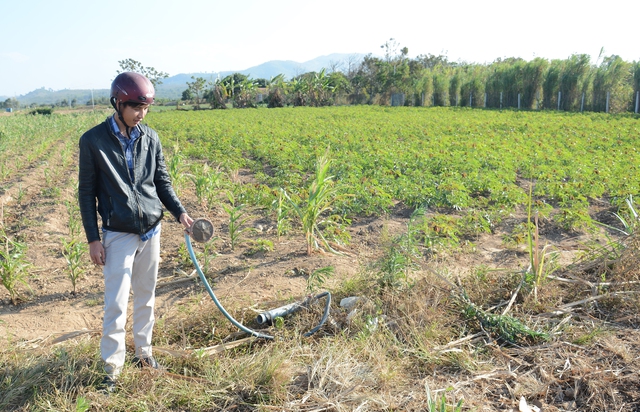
(502, 101)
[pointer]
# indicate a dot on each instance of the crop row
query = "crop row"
(27, 139)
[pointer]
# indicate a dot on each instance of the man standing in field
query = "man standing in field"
(122, 168)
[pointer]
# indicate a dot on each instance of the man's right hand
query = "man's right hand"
(97, 253)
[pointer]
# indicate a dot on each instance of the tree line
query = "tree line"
(573, 84)
(610, 84)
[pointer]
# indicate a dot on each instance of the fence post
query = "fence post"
(470, 99)
(607, 108)
(501, 100)
(582, 103)
(485, 102)
(559, 99)
(518, 101)
(538, 100)
(637, 99)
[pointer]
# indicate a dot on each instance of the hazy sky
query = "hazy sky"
(73, 44)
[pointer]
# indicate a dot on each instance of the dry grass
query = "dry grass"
(389, 352)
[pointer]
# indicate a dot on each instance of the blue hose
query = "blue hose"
(213, 295)
(237, 324)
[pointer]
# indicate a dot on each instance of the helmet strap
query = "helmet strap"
(119, 112)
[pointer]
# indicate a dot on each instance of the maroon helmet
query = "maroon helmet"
(130, 87)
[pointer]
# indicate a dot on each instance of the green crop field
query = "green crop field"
(454, 227)
(445, 159)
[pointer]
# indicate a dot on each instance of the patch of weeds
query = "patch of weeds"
(398, 261)
(574, 217)
(355, 285)
(318, 278)
(207, 255)
(259, 246)
(504, 327)
(518, 235)
(93, 302)
(439, 231)
(51, 192)
(393, 267)
(481, 272)
(588, 338)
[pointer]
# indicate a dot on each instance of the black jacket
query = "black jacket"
(124, 205)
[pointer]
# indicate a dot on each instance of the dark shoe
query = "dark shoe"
(146, 362)
(107, 386)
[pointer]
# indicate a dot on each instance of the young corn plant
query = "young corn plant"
(13, 267)
(73, 251)
(313, 210)
(75, 221)
(20, 195)
(206, 184)
(440, 405)
(236, 219)
(279, 205)
(612, 249)
(629, 220)
(208, 254)
(542, 261)
(174, 168)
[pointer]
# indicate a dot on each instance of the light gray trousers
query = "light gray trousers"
(131, 264)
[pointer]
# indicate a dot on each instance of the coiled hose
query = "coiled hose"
(266, 315)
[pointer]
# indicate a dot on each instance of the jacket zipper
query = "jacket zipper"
(131, 180)
(135, 154)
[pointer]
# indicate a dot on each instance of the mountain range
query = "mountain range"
(173, 86)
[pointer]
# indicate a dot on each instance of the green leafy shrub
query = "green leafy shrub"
(42, 110)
